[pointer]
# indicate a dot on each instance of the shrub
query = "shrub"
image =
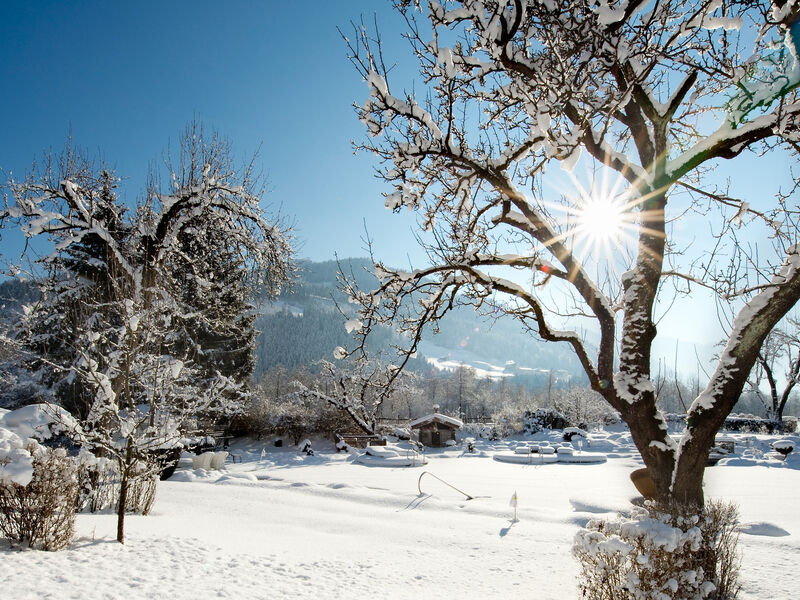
(752, 424)
(99, 485)
(41, 514)
(543, 418)
(507, 422)
(480, 430)
(141, 492)
(583, 408)
(286, 417)
(660, 553)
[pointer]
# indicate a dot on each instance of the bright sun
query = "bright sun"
(600, 219)
(600, 223)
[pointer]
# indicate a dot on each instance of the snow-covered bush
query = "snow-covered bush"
(285, 417)
(39, 512)
(675, 418)
(747, 423)
(328, 421)
(584, 408)
(98, 483)
(99, 487)
(660, 553)
(534, 421)
(401, 433)
(507, 422)
(292, 417)
(477, 430)
(142, 491)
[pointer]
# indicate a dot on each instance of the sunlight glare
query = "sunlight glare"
(600, 219)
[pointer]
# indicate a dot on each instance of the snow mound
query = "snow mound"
(190, 476)
(763, 528)
(237, 478)
(16, 460)
(534, 449)
(339, 486)
(391, 461)
(549, 455)
(526, 459)
(381, 451)
(184, 476)
(589, 506)
(739, 461)
(584, 458)
(38, 421)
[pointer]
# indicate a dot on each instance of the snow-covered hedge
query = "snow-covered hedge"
(505, 422)
(657, 553)
(753, 424)
(16, 461)
(38, 493)
(290, 417)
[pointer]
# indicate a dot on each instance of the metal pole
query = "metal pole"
(419, 484)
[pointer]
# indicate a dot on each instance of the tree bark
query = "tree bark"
(122, 505)
(708, 412)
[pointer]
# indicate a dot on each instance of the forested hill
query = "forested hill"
(14, 293)
(303, 326)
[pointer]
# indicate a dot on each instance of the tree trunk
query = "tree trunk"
(122, 505)
(688, 486)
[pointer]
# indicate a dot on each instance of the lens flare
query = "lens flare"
(600, 219)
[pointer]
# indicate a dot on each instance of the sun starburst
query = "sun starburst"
(599, 218)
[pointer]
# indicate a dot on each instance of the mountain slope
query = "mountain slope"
(304, 325)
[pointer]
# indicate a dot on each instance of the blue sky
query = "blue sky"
(126, 78)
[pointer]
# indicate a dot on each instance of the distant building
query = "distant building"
(436, 429)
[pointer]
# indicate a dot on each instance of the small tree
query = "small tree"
(780, 348)
(359, 388)
(655, 93)
(582, 407)
(123, 283)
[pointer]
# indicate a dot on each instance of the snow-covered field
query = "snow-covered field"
(286, 525)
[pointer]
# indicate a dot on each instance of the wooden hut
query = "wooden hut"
(436, 429)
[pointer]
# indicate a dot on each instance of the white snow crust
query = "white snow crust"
(287, 525)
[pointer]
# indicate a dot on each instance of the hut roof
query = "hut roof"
(436, 418)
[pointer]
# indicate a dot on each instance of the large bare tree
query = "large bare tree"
(657, 93)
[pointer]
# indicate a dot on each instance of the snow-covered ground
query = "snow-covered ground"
(286, 525)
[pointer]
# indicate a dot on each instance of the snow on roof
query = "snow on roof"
(436, 418)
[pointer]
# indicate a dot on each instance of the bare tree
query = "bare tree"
(122, 278)
(359, 387)
(781, 349)
(658, 93)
